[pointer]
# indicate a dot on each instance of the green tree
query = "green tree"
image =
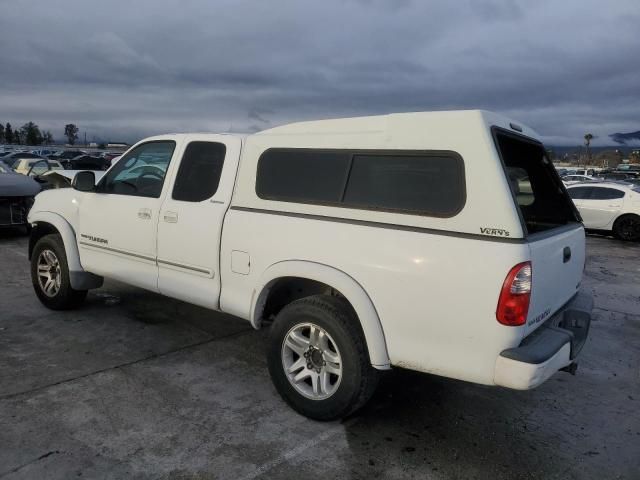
(47, 138)
(30, 134)
(17, 139)
(587, 141)
(71, 132)
(1, 133)
(8, 133)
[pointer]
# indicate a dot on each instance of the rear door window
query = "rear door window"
(199, 173)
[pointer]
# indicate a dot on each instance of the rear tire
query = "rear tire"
(627, 228)
(318, 358)
(50, 275)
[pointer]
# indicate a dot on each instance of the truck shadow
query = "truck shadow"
(12, 233)
(422, 423)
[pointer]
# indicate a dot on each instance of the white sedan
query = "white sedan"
(609, 206)
(572, 179)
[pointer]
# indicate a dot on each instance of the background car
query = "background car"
(614, 176)
(36, 166)
(16, 197)
(629, 168)
(67, 155)
(14, 157)
(609, 206)
(586, 171)
(571, 179)
(86, 162)
(44, 152)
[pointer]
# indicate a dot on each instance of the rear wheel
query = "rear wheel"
(627, 227)
(318, 358)
(50, 275)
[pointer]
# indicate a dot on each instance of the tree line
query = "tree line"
(30, 134)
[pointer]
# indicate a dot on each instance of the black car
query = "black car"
(16, 197)
(66, 155)
(614, 176)
(86, 162)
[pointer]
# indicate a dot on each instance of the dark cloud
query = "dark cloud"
(129, 69)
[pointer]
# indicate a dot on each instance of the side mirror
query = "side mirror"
(84, 181)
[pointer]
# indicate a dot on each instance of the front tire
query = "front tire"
(627, 227)
(318, 359)
(50, 275)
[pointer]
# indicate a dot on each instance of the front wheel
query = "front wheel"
(50, 275)
(627, 227)
(318, 358)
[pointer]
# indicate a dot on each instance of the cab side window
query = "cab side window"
(141, 172)
(199, 173)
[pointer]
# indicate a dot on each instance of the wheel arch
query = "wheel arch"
(626, 214)
(314, 275)
(46, 223)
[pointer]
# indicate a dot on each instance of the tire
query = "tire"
(627, 227)
(337, 354)
(53, 287)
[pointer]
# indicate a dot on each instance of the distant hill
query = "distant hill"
(626, 138)
(561, 150)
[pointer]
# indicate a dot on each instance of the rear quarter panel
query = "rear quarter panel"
(436, 295)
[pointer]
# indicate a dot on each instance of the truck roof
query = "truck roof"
(190, 136)
(416, 122)
(393, 121)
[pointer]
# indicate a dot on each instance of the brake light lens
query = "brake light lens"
(513, 305)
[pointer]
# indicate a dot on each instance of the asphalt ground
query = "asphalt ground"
(134, 385)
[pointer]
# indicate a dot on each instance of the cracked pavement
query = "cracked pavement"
(134, 385)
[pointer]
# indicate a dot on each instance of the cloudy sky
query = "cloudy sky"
(127, 69)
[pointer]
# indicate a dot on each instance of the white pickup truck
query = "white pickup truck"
(441, 242)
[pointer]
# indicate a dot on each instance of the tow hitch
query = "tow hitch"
(571, 368)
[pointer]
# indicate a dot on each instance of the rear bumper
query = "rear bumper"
(553, 346)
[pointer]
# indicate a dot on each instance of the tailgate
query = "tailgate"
(557, 261)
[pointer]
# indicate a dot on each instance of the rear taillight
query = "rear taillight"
(513, 305)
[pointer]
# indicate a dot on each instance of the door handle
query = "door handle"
(170, 217)
(566, 254)
(144, 213)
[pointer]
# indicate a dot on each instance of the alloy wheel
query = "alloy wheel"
(49, 273)
(629, 229)
(312, 361)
